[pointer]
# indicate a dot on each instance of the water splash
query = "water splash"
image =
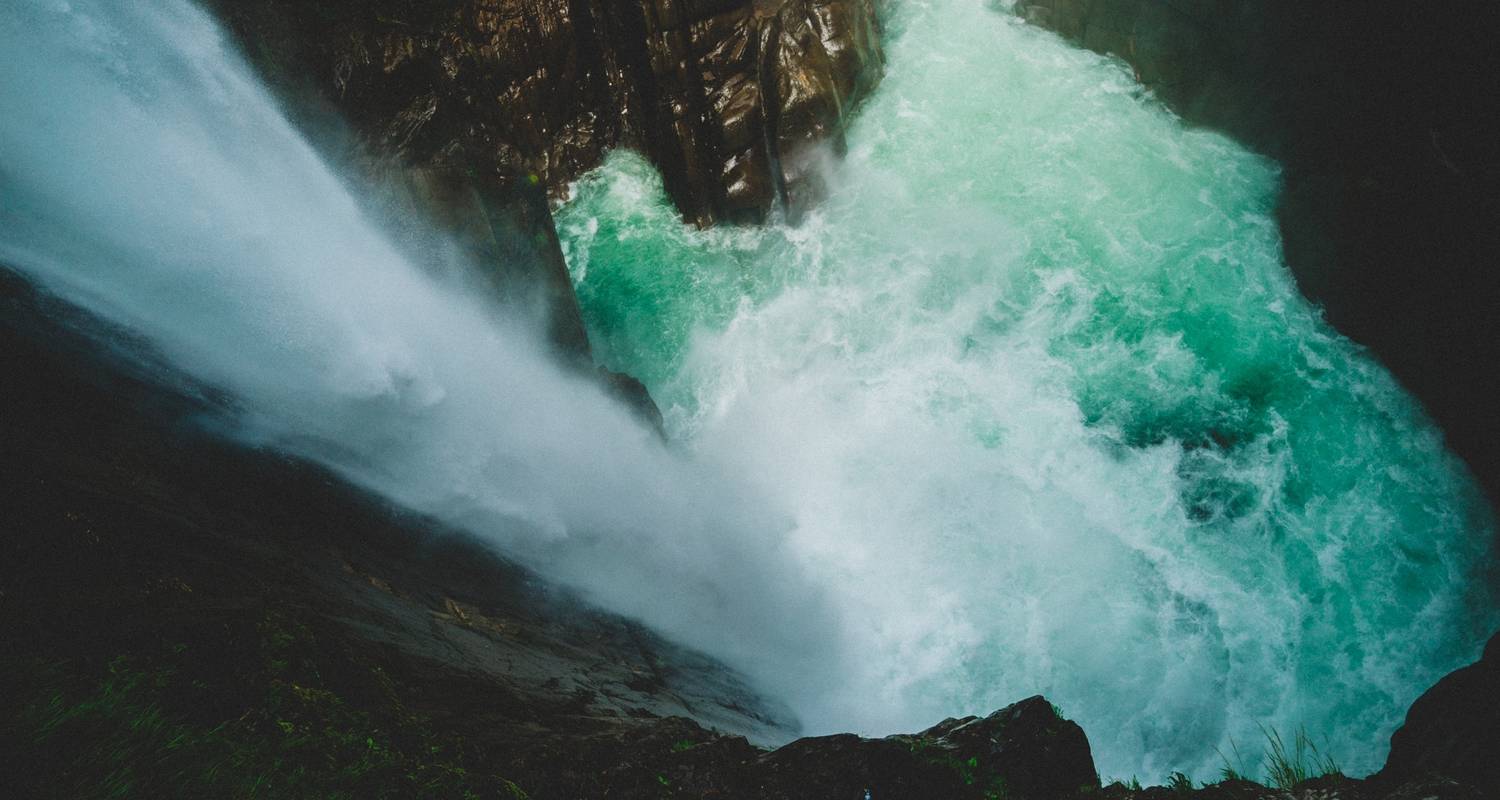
(1052, 417)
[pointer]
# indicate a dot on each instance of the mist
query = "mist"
(147, 177)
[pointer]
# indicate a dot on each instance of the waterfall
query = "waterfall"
(147, 177)
(1028, 404)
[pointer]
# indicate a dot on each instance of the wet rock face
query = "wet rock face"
(473, 114)
(778, 78)
(1453, 730)
(630, 391)
(726, 96)
(1385, 117)
(455, 225)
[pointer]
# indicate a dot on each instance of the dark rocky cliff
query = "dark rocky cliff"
(1386, 117)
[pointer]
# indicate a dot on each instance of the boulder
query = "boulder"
(630, 391)
(1028, 747)
(1025, 751)
(1452, 732)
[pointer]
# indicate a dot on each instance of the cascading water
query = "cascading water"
(1028, 405)
(147, 177)
(1052, 416)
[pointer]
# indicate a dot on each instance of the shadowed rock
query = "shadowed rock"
(1453, 730)
(1025, 751)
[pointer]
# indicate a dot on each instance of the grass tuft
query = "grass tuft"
(1287, 767)
(1179, 782)
(1232, 770)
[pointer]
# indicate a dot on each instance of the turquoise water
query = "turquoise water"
(1049, 415)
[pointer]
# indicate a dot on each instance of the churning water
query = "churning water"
(1028, 405)
(1051, 416)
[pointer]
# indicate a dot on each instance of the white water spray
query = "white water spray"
(146, 176)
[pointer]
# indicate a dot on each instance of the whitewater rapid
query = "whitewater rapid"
(1052, 417)
(1029, 404)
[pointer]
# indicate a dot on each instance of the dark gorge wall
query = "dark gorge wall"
(1386, 117)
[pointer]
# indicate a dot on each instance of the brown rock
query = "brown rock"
(723, 95)
(475, 112)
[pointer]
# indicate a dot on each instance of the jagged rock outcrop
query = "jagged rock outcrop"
(1387, 121)
(502, 230)
(725, 96)
(1453, 730)
(1025, 751)
(1028, 747)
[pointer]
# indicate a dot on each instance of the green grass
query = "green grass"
(1233, 770)
(969, 771)
(1285, 766)
(1288, 766)
(159, 725)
